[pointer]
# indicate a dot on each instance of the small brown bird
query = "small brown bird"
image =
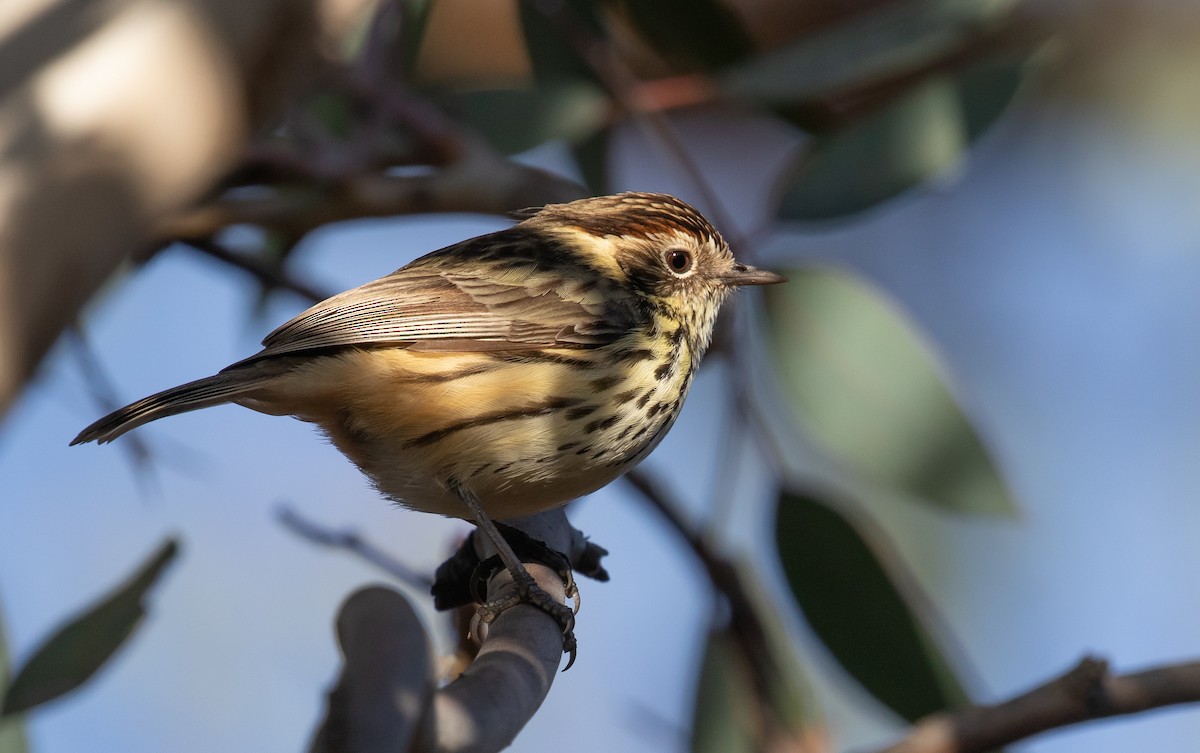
(504, 375)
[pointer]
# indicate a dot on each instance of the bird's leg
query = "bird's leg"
(527, 589)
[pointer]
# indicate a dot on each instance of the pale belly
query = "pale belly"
(523, 437)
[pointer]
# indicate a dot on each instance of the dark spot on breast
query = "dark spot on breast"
(577, 413)
(481, 469)
(677, 336)
(624, 397)
(663, 370)
(624, 433)
(603, 423)
(641, 403)
(605, 383)
(633, 356)
(565, 447)
(584, 449)
(656, 409)
(505, 467)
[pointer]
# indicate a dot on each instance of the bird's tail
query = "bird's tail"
(202, 393)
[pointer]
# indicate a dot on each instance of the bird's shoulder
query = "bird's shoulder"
(505, 290)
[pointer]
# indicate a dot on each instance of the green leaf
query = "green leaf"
(917, 136)
(554, 34)
(730, 705)
(12, 732)
(81, 647)
(702, 34)
(986, 90)
(859, 610)
(514, 120)
(591, 155)
(333, 111)
(725, 712)
(412, 30)
(861, 382)
(889, 41)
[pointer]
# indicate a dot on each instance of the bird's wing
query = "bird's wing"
(435, 305)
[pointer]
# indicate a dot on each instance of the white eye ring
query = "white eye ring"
(680, 261)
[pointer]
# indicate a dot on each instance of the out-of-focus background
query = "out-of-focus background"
(957, 452)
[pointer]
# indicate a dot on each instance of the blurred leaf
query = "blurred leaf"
(985, 90)
(78, 649)
(858, 610)
(697, 33)
(730, 708)
(915, 137)
(893, 39)
(554, 32)
(514, 120)
(412, 31)
(12, 732)
(862, 383)
(334, 112)
(591, 154)
(725, 715)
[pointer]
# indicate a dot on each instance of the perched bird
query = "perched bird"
(501, 376)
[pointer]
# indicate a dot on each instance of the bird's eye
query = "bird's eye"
(678, 260)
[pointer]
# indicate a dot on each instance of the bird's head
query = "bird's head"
(657, 246)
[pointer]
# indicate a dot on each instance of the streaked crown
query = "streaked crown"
(658, 246)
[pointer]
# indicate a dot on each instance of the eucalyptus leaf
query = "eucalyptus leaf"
(919, 135)
(724, 715)
(514, 120)
(703, 34)
(415, 20)
(554, 35)
(861, 382)
(886, 42)
(859, 610)
(730, 705)
(74, 653)
(12, 732)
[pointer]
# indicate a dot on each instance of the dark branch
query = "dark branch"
(1084, 693)
(268, 276)
(352, 542)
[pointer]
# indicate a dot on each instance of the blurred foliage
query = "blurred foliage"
(752, 694)
(852, 600)
(701, 34)
(78, 649)
(861, 382)
(518, 119)
(12, 732)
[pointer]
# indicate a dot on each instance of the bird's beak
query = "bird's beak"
(745, 275)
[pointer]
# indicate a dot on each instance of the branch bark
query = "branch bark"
(1084, 693)
(384, 699)
(115, 114)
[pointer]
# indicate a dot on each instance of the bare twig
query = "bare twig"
(267, 276)
(1084, 693)
(352, 542)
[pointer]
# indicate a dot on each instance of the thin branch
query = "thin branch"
(483, 183)
(1084, 693)
(267, 276)
(352, 542)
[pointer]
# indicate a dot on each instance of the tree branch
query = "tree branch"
(384, 698)
(1084, 693)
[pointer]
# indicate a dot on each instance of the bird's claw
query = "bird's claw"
(529, 592)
